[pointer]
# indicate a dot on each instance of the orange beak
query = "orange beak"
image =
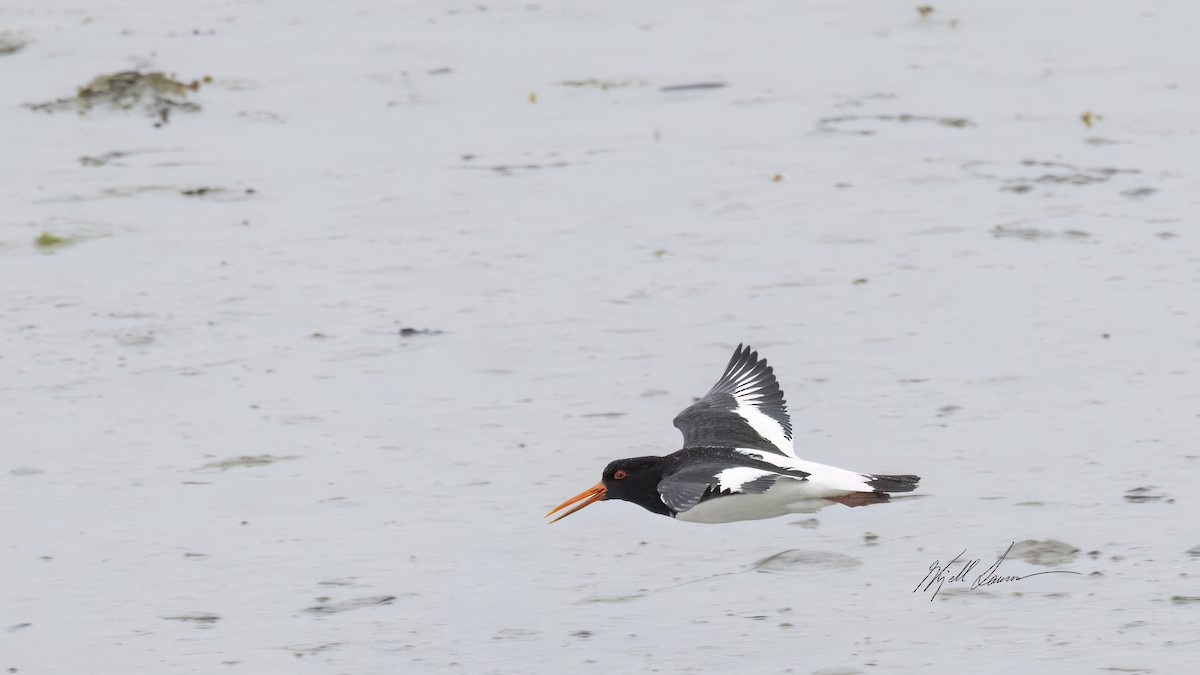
(592, 494)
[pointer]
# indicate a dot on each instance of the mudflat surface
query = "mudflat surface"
(310, 319)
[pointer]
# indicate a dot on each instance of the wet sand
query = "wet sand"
(291, 377)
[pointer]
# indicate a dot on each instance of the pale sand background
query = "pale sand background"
(1024, 333)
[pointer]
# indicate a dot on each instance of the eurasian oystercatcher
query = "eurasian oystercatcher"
(737, 461)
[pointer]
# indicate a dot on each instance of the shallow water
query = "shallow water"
(308, 364)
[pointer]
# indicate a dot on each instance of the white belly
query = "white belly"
(785, 497)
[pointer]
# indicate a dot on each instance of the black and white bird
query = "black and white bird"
(737, 461)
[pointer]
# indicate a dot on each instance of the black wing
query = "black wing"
(744, 409)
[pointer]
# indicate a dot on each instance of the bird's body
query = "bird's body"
(737, 462)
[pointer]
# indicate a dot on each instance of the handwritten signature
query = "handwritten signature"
(938, 574)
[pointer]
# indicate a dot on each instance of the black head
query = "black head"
(633, 480)
(636, 480)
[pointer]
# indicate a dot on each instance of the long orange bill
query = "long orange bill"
(592, 494)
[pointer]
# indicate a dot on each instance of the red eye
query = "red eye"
(619, 474)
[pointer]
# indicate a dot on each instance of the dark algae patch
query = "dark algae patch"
(597, 83)
(101, 160)
(1040, 175)
(11, 44)
(155, 94)
(1034, 234)
(246, 461)
(213, 191)
(199, 192)
(413, 332)
(839, 124)
(694, 86)
(1140, 495)
(199, 619)
(508, 169)
(327, 607)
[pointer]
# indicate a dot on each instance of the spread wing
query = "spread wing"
(698, 482)
(744, 409)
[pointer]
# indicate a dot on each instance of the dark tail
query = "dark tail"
(894, 483)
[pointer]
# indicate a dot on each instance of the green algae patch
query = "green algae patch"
(246, 461)
(48, 241)
(155, 94)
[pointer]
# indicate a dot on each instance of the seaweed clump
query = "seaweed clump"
(157, 94)
(49, 241)
(11, 44)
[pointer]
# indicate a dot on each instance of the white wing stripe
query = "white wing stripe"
(734, 478)
(765, 426)
(747, 394)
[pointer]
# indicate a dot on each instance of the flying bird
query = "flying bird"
(737, 461)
